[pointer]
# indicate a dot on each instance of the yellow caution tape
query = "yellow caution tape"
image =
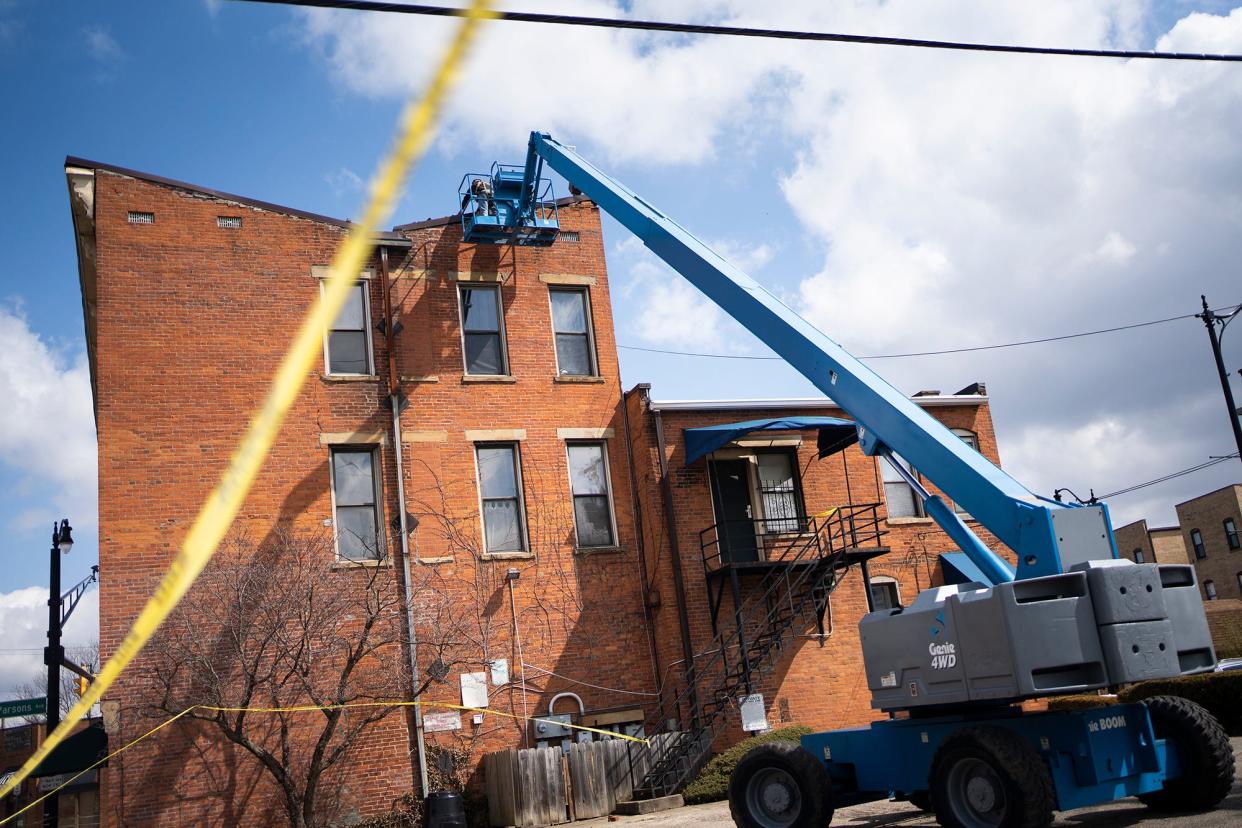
(215, 518)
(315, 707)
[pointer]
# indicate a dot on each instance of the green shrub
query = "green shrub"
(1218, 692)
(712, 783)
(1083, 702)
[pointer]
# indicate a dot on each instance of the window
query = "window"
(898, 494)
(778, 493)
(588, 482)
(355, 499)
(571, 325)
(884, 594)
(1231, 534)
(1209, 589)
(1240, 580)
(482, 330)
(500, 489)
(349, 341)
(1138, 555)
(1196, 540)
(971, 439)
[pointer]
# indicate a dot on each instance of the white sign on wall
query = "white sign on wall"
(441, 721)
(500, 672)
(474, 689)
(754, 717)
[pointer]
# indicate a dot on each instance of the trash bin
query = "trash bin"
(445, 809)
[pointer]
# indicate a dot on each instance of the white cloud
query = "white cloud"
(954, 199)
(101, 45)
(47, 426)
(23, 633)
(344, 181)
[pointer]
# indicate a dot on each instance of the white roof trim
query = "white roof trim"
(801, 402)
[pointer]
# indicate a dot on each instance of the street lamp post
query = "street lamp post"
(54, 653)
(1210, 319)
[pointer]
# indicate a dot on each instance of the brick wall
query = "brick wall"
(820, 682)
(191, 320)
(1222, 566)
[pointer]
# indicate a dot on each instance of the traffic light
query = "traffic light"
(80, 684)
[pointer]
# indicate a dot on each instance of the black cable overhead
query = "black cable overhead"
(1167, 477)
(933, 353)
(743, 31)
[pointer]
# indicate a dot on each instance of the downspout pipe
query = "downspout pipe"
(679, 584)
(639, 531)
(396, 401)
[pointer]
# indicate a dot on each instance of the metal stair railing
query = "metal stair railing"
(784, 594)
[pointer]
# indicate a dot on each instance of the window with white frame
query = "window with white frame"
(348, 344)
(589, 485)
(1138, 556)
(778, 492)
(899, 496)
(1231, 534)
(971, 439)
(1196, 542)
(500, 492)
(571, 325)
(355, 503)
(884, 593)
(482, 330)
(1209, 589)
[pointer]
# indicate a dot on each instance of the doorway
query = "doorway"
(735, 526)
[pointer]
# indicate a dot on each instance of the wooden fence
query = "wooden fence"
(538, 787)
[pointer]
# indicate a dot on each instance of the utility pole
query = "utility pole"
(1209, 320)
(54, 653)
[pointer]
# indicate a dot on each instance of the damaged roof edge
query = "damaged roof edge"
(71, 161)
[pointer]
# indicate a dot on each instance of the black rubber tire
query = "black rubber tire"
(1203, 750)
(814, 786)
(1021, 775)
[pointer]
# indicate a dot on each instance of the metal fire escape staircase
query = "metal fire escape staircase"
(775, 600)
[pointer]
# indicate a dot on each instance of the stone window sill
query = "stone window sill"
(442, 559)
(509, 556)
(488, 378)
(569, 378)
(343, 563)
(349, 377)
(429, 378)
(598, 550)
(909, 521)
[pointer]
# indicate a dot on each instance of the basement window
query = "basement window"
(568, 236)
(136, 217)
(884, 593)
(228, 222)
(355, 503)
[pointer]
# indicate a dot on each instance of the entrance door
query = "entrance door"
(731, 497)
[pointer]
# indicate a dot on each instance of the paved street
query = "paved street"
(877, 814)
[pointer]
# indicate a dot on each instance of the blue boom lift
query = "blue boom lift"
(951, 668)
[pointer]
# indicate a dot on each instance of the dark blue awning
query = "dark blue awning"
(834, 434)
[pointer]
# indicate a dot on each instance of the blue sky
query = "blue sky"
(901, 201)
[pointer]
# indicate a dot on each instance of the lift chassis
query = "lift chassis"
(1066, 616)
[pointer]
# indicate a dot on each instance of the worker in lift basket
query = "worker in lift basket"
(481, 189)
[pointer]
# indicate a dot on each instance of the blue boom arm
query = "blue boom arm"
(888, 421)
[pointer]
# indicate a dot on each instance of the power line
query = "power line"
(932, 353)
(742, 31)
(1167, 477)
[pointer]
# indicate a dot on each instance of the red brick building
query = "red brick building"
(551, 510)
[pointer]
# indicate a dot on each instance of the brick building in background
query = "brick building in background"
(1210, 526)
(1158, 544)
(553, 512)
